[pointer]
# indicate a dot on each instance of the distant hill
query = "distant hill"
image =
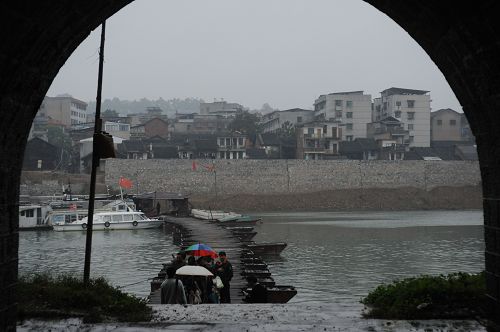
(169, 107)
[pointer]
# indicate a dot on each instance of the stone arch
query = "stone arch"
(37, 37)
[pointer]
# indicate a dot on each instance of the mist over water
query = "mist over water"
(331, 257)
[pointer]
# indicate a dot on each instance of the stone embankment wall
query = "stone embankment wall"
(299, 185)
(262, 177)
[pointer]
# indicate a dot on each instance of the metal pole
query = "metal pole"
(95, 162)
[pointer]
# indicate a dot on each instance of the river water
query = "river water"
(331, 257)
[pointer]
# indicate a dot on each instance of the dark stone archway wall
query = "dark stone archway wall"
(37, 37)
(463, 40)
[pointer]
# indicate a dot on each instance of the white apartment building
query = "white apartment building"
(273, 121)
(351, 110)
(63, 110)
(411, 107)
(222, 108)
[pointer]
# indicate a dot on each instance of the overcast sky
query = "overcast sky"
(283, 52)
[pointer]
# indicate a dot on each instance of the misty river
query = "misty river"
(332, 257)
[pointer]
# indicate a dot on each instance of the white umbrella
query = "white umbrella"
(193, 270)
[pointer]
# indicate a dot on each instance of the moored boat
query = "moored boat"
(212, 214)
(34, 216)
(262, 273)
(266, 248)
(278, 294)
(111, 220)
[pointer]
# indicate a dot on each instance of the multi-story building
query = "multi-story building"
(222, 108)
(63, 110)
(449, 125)
(151, 128)
(352, 110)
(411, 107)
(231, 146)
(199, 124)
(391, 137)
(272, 122)
(318, 140)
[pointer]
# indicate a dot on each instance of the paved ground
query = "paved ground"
(253, 318)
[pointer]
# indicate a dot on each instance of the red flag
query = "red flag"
(193, 166)
(125, 183)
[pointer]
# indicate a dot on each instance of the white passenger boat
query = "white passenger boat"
(114, 218)
(212, 214)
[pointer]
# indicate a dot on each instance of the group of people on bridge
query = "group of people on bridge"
(198, 289)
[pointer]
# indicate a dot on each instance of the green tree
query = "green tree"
(245, 123)
(109, 113)
(287, 130)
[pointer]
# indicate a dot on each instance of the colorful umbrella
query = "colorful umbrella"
(200, 250)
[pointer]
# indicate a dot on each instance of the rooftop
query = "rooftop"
(402, 91)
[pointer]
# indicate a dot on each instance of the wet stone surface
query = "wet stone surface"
(261, 317)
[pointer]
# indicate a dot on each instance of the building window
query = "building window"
(397, 114)
(348, 115)
(310, 131)
(411, 115)
(385, 106)
(411, 139)
(240, 141)
(398, 103)
(348, 126)
(29, 213)
(411, 103)
(221, 141)
(348, 104)
(299, 119)
(439, 122)
(453, 122)
(349, 138)
(228, 141)
(338, 102)
(338, 114)
(325, 129)
(410, 126)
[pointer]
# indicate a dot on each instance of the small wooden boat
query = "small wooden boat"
(212, 214)
(252, 260)
(247, 253)
(266, 281)
(240, 229)
(246, 236)
(256, 273)
(279, 294)
(255, 266)
(266, 248)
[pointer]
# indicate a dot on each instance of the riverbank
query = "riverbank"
(370, 199)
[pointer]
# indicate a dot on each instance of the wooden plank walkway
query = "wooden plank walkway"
(219, 239)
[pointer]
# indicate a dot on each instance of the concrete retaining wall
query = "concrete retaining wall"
(288, 176)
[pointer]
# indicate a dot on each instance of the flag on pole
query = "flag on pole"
(125, 183)
(193, 166)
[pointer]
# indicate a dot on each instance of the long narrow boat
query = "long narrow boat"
(256, 266)
(264, 273)
(279, 294)
(245, 236)
(266, 248)
(212, 214)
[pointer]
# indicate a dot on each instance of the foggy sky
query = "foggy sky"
(283, 52)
